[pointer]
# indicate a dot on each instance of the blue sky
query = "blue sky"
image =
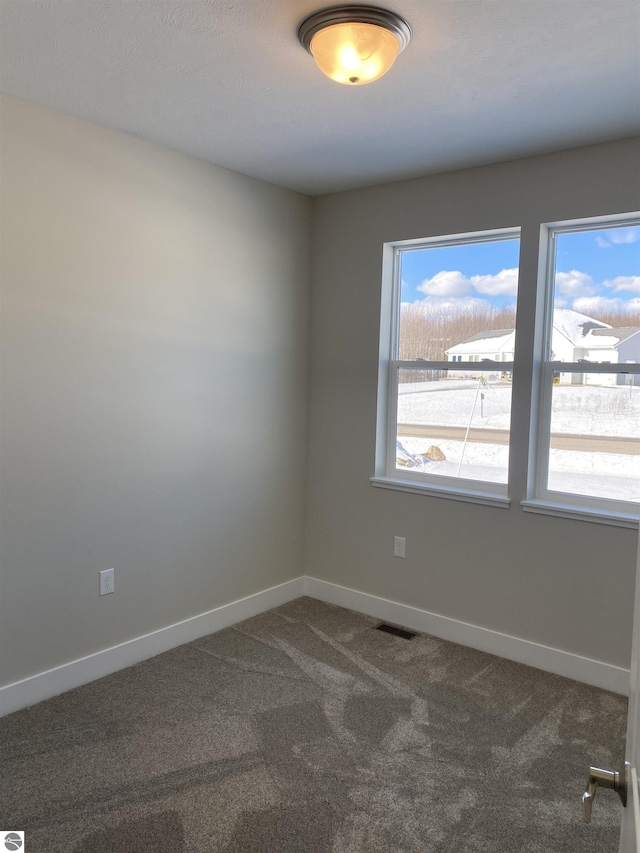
(599, 270)
(594, 270)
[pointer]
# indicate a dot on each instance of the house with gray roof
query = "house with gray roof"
(575, 337)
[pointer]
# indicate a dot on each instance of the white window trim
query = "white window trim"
(455, 493)
(578, 513)
(386, 474)
(540, 499)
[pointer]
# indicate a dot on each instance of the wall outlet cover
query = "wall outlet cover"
(107, 581)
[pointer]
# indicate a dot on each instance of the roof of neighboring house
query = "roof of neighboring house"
(620, 333)
(575, 326)
(495, 333)
(496, 339)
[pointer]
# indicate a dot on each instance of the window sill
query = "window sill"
(475, 497)
(580, 513)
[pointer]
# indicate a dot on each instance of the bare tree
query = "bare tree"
(427, 332)
(617, 319)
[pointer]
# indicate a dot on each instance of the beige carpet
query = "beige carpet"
(306, 730)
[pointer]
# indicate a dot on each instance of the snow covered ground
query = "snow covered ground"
(577, 410)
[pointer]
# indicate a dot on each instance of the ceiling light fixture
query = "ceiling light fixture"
(354, 44)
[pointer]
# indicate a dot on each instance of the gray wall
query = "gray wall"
(154, 409)
(548, 580)
(154, 377)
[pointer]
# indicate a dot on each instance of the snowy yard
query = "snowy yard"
(577, 410)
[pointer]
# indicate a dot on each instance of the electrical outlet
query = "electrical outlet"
(398, 546)
(107, 581)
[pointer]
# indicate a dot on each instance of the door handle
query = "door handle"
(617, 781)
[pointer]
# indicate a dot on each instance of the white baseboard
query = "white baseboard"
(596, 673)
(44, 685)
(29, 691)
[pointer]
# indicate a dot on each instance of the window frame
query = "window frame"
(540, 498)
(387, 474)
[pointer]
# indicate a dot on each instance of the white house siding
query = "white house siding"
(629, 353)
(615, 348)
(574, 337)
(476, 349)
(629, 349)
(561, 347)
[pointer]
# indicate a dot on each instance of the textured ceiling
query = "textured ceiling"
(228, 82)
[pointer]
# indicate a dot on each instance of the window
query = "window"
(587, 453)
(447, 349)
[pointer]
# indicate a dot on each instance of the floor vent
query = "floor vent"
(397, 632)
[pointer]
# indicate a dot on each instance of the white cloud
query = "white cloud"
(455, 283)
(505, 283)
(624, 235)
(618, 236)
(446, 283)
(624, 282)
(575, 284)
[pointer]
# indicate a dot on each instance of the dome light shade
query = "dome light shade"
(354, 44)
(354, 53)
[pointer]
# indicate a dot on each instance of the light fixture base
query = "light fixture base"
(354, 15)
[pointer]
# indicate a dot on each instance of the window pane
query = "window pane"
(595, 435)
(458, 302)
(597, 296)
(455, 425)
